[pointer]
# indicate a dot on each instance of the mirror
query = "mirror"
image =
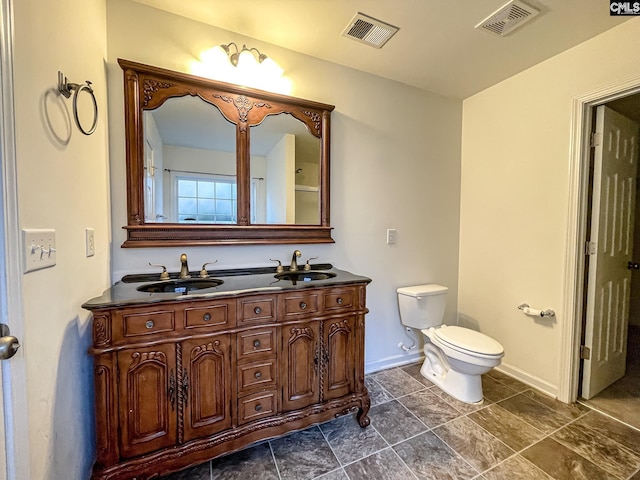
(285, 172)
(190, 164)
(213, 163)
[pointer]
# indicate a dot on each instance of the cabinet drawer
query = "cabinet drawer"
(258, 405)
(257, 310)
(340, 299)
(260, 374)
(135, 324)
(295, 304)
(254, 342)
(215, 316)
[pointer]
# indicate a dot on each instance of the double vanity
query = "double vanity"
(187, 369)
(190, 365)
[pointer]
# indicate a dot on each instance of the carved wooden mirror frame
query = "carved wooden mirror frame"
(147, 87)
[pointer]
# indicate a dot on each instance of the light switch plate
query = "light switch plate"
(38, 248)
(392, 235)
(90, 241)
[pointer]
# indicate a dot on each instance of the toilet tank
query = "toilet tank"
(422, 306)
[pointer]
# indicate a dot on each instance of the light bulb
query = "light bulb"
(214, 63)
(214, 56)
(246, 60)
(271, 68)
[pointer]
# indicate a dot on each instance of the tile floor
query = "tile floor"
(418, 432)
(622, 399)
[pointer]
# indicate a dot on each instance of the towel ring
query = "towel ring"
(65, 88)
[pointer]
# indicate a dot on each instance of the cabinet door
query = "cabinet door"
(205, 385)
(147, 406)
(300, 365)
(338, 357)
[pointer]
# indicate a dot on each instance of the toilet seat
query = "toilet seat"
(467, 341)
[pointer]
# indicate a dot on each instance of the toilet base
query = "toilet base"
(464, 387)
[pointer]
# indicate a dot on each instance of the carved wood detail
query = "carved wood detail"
(151, 86)
(243, 104)
(323, 360)
(297, 332)
(180, 394)
(342, 325)
(317, 121)
(141, 357)
(101, 330)
(208, 347)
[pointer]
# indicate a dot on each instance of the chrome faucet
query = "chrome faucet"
(294, 261)
(184, 268)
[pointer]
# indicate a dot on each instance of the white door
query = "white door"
(14, 439)
(609, 279)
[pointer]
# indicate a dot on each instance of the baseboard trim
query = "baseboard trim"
(515, 372)
(393, 361)
(529, 379)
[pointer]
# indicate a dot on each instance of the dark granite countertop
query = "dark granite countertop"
(236, 282)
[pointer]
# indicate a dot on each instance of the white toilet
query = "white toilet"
(456, 357)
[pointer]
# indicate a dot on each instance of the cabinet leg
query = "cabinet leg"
(361, 416)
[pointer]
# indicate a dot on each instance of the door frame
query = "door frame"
(583, 107)
(14, 371)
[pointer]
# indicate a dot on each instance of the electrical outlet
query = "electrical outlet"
(90, 242)
(38, 248)
(392, 235)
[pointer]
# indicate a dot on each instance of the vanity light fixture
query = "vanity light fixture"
(245, 66)
(246, 57)
(234, 57)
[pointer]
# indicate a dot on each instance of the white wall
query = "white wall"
(62, 184)
(395, 163)
(514, 202)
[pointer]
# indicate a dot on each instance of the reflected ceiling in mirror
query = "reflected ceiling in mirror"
(189, 114)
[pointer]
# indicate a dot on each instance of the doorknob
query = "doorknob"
(633, 266)
(8, 344)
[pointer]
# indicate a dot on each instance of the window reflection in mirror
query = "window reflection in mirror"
(285, 168)
(190, 164)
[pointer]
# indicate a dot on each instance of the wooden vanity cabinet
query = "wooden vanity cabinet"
(205, 386)
(152, 387)
(300, 365)
(179, 383)
(146, 402)
(338, 359)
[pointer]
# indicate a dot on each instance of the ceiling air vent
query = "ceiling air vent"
(368, 30)
(507, 18)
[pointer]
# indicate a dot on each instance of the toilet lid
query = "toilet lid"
(461, 338)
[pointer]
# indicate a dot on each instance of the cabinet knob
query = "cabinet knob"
(258, 375)
(303, 305)
(257, 310)
(256, 343)
(339, 301)
(150, 324)
(258, 407)
(206, 317)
